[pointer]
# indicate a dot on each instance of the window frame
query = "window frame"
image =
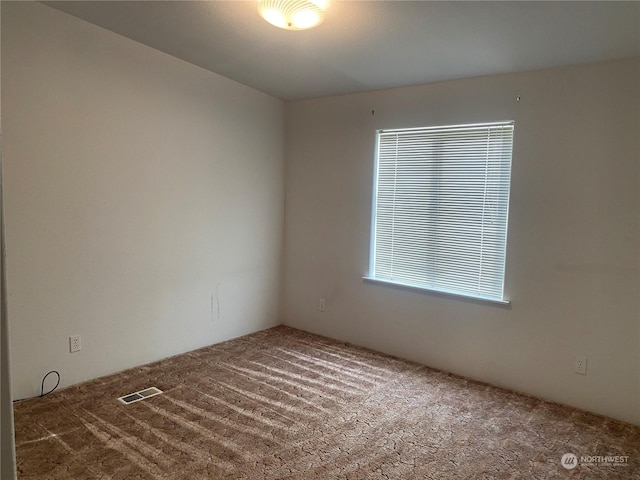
(370, 278)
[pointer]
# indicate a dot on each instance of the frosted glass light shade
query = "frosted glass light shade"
(293, 14)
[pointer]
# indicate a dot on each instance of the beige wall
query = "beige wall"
(573, 239)
(7, 438)
(143, 195)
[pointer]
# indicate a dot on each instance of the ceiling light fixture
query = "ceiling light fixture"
(293, 14)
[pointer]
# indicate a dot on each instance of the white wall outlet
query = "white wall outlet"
(74, 344)
(581, 365)
(322, 305)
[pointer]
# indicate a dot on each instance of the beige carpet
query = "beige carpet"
(284, 404)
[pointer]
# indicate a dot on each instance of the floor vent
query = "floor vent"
(141, 395)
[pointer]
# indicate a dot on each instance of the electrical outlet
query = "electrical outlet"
(74, 344)
(581, 365)
(322, 305)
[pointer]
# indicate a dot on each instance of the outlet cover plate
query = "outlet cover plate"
(74, 343)
(581, 365)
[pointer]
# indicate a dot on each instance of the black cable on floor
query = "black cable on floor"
(42, 394)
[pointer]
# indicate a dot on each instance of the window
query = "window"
(440, 207)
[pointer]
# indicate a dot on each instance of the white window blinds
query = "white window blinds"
(440, 208)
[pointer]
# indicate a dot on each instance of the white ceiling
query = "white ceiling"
(371, 45)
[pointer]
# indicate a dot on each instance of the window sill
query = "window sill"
(420, 288)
